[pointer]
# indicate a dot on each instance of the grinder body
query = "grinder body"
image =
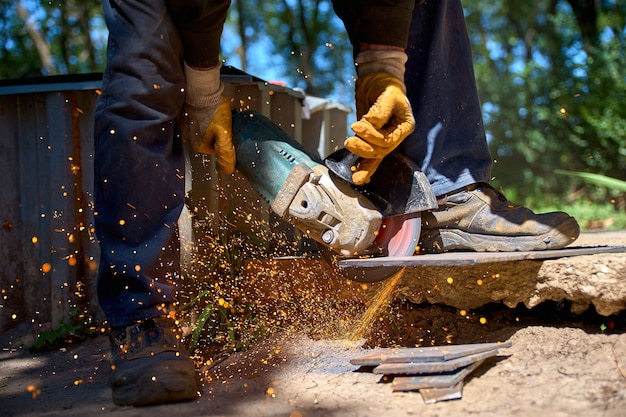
(381, 218)
(300, 189)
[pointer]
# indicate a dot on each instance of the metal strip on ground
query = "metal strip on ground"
(433, 395)
(416, 368)
(425, 354)
(422, 382)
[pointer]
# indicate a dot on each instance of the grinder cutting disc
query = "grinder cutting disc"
(397, 236)
(401, 192)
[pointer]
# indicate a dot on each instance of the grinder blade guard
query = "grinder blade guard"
(401, 192)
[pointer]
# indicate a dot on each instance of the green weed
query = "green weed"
(221, 314)
(590, 215)
(81, 325)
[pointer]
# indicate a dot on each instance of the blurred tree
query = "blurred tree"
(46, 38)
(548, 74)
(41, 46)
(300, 42)
(304, 38)
(549, 71)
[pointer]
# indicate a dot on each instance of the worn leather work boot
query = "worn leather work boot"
(479, 218)
(149, 365)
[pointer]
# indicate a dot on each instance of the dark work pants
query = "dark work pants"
(449, 141)
(139, 164)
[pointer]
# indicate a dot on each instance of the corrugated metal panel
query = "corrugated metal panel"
(46, 168)
(73, 82)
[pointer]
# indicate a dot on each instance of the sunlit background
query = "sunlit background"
(548, 73)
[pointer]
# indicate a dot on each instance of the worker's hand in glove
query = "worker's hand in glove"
(384, 112)
(206, 122)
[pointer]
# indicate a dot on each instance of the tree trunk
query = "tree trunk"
(241, 26)
(43, 49)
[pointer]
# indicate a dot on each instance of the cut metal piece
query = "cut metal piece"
(416, 368)
(433, 395)
(423, 382)
(473, 258)
(425, 354)
(437, 372)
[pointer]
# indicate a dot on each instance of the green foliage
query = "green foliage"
(596, 179)
(307, 41)
(548, 74)
(221, 323)
(223, 316)
(80, 326)
(591, 215)
(47, 38)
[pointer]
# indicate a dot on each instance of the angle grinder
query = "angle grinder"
(381, 218)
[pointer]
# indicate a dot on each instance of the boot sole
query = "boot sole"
(167, 381)
(442, 240)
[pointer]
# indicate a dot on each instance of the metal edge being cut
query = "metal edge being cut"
(398, 235)
(472, 258)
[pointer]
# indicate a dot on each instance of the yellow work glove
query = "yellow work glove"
(384, 113)
(206, 122)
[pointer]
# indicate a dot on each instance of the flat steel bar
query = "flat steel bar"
(433, 395)
(412, 383)
(431, 367)
(473, 258)
(425, 354)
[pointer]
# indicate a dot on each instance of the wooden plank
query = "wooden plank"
(425, 354)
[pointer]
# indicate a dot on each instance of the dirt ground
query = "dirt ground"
(549, 370)
(560, 364)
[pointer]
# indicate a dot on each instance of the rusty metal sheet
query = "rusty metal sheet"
(421, 382)
(425, 354)
(472, 258)
(416, 368)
